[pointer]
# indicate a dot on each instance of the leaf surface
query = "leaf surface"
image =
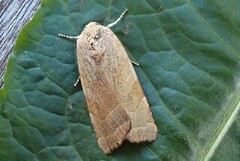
(189, 54)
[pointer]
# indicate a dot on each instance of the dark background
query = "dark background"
(13, 15)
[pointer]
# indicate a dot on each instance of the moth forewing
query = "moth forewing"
(110, 121)
(117, 105)
(104, 63)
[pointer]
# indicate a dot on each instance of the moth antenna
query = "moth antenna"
(117, 20)
(68, 37)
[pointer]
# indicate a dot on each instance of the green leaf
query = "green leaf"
(189, 54)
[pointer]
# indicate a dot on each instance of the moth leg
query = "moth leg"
(76, 83)
(70, 105)
(117, 20)
(68, 37)
(134, 63)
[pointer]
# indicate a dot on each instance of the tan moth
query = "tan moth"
(117, 105)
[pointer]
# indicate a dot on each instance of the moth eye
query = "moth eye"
(97, 36)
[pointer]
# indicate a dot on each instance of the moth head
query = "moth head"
(93, 31)
(94, 39)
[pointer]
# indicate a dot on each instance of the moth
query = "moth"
(117, 105)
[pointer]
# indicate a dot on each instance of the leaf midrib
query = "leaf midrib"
(223, 127)
(230, 114)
